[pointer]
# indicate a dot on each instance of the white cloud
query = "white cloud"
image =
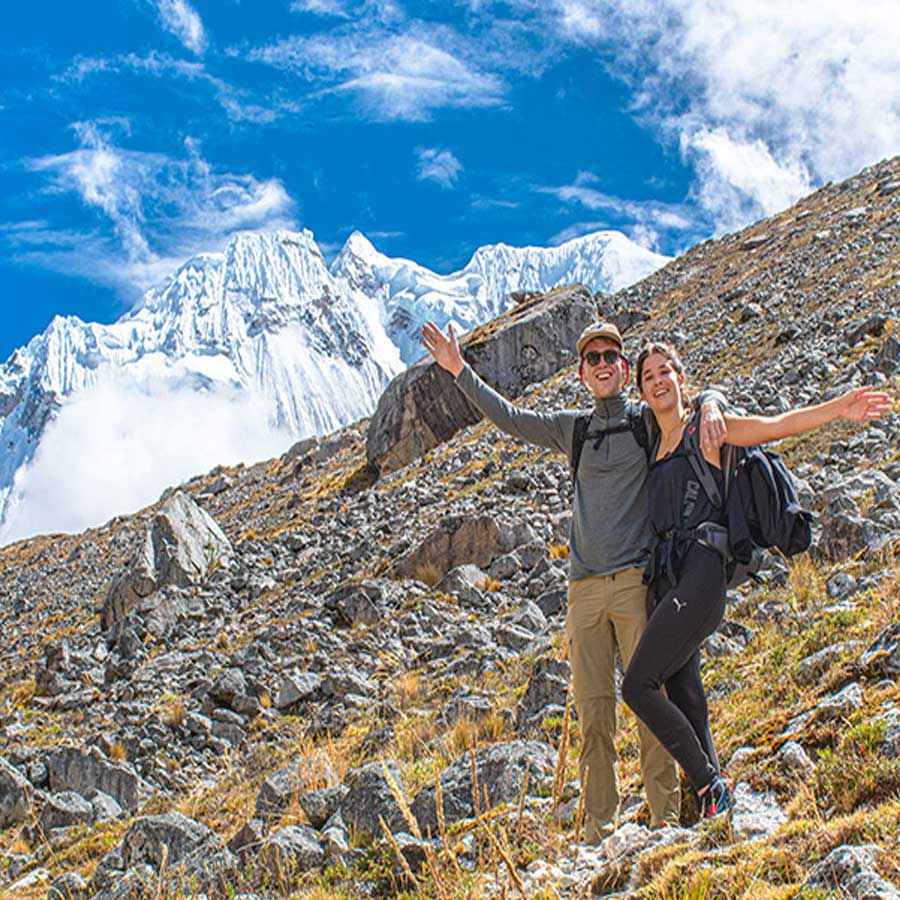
(161, 209)
(237, 104)
(765, 99)
(738, 180)
(395, 76)
(643, 219)
(439, 166)
(181, 19)
(114, 447)
(321, 8)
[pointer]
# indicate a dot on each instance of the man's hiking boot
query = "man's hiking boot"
(717, 799)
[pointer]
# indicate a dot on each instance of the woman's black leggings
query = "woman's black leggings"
(668, 654)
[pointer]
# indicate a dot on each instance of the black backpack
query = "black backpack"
(761, 504)
(634, 422)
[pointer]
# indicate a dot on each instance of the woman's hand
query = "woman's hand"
(864, 403)
(444, 350)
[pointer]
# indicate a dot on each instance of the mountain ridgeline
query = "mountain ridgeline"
(313, 345)
(267, 682)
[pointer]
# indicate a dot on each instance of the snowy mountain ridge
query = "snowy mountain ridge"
(265, 334)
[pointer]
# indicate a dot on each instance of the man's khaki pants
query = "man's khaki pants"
(606, 611)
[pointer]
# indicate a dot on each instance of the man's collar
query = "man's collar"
(610, 407)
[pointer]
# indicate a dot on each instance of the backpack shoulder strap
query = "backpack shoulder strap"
(579, 436)
(698, 462)
(638, 426)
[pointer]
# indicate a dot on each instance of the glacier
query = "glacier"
(265, 337)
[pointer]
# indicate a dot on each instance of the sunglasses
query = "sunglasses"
(610, 357)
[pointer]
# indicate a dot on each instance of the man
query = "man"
(608, 540)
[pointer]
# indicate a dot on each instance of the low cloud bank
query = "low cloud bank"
(115, 447)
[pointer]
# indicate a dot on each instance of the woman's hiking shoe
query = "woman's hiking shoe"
(717, 799)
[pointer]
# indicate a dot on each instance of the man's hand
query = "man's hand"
(444, 350)
(712, 427)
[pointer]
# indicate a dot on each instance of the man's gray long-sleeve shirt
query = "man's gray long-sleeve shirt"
(610, 528)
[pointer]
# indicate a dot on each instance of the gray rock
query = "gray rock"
(500, 770)
(126, 885)
(883, 656)
(468, 706)
(890, 744)
(301, 775)
(64, 809)
(69, 886)
(319, 806)
(552, 602)
(547, 687)
(850, 870)
(104, 806)
(887, 359)
(840, 704)
(794, 760)
(180, 547)
(422, 407)
(513, 636)
(335, 836)
(755, 815)
(291, 850)
(840, 586)
(844, 532)
(185, 847)
(16, 795)
(811, 668)
(228, 686)
(356, 604)
(297, 688)
(246, 842)
(84, 771)
(466, 583)
(370, 798)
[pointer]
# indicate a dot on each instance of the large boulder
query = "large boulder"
(370, 798)
(300, 775)
(457, 541)
(500, 772)
(422, 407)
(16, 794)
(184, 847)
(84, 771)
(179, 548)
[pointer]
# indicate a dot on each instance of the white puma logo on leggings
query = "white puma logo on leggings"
(678, 604)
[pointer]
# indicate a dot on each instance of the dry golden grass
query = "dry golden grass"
(173, 711)
(428, 573)
(489, 584)
(118, 753)
(558, 551)
(407, 688)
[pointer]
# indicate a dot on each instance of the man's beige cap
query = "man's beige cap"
(599, 329)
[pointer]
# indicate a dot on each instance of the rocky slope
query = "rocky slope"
(257, 703)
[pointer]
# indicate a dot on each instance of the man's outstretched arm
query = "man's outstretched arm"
(551, 430)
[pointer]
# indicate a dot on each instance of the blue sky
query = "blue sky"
(136, 133)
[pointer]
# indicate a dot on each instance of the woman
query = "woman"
(687, 578)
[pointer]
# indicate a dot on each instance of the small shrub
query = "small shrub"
(117, 753)
(173, 711)
(428, 573)
(856, 772)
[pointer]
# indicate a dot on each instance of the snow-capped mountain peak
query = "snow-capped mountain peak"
(261, 339)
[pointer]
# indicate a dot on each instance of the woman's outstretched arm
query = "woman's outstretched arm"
(858, 405)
